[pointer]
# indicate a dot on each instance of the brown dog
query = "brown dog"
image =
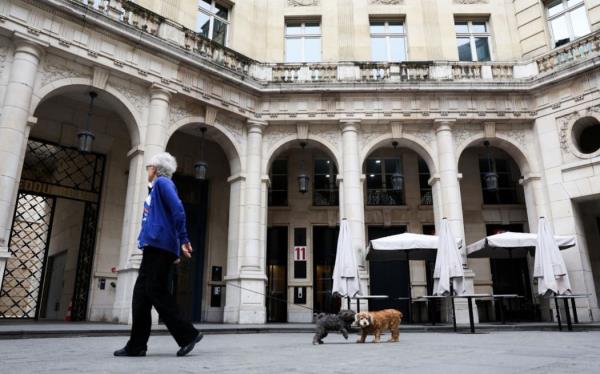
(377, 322)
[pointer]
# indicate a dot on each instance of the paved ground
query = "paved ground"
(497, 352)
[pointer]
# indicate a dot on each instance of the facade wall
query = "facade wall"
(441, 117)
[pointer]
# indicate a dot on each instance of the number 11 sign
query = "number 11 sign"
(299, 253)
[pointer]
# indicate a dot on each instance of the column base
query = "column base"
(245, 298)
(122, 308)
(4, 256)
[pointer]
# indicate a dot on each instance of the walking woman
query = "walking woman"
(162, 239)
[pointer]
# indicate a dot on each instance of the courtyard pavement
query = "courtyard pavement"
(432, 352)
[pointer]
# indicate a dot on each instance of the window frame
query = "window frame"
(383, 173)
(302, 36)
(473, 35)
(567, 14)
(212, 15)
(333, 189)
(287, 185)
(387, 35)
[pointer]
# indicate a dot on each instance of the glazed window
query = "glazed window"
(325, 190)
(212, 20)
(424, 175)
(303, 41)
(278, 191)
(567, 20)
(380, 190)
(508, 181)
(473, 40)
(388, 40)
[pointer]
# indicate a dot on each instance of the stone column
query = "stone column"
(14, 131)
(245, 301)
(451, 203)
(137, 184)
(354, 206)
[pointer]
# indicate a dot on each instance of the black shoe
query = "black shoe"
(188, 348)
(123, 352)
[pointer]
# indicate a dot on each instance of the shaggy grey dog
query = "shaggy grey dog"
(333, 322)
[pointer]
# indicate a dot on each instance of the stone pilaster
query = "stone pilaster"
(245, 300)
(15, 124)
(130, 256)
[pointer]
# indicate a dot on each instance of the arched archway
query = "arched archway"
(398, 198)
(303, 217)
(490, 208)
(67, 195)
(212, 205)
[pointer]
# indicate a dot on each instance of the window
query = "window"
(388, 41)
(212, 21)
(325, 190)
(473, 40)
(508, 181)
(424, 175)
(567, 20)
(278, 191)
(302, 41)
(379, 182)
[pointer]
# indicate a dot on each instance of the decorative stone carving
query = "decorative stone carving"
(563, 130)
(180, 109)
(235, 130)
(471, 1)
(277, 132)
(303, 2)
(370, 132)
(463, 132)
(135, 95)
(3, 54)
(54, 69)
(423, 133)
(517, 135)
(331, 134)
(386, 2)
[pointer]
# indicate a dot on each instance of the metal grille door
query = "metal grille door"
(23, 275)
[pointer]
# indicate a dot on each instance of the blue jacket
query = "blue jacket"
(163, 222)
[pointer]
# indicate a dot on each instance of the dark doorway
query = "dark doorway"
(390, 278)
(188, 275)
(324, 250)
(276, 300)
(511, 276)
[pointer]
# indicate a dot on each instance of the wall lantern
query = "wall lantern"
(491, 177)
(201, 167)
(86, 136)
(303, 178)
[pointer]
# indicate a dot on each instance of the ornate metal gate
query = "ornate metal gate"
(50, 171)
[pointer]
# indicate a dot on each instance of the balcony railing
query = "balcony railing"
(129, 13)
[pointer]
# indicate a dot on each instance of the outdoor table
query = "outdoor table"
(368, 297)
(470, 304)
(503, 297)
(566, 298)
(427, 299)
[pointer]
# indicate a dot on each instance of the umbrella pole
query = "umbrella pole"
(348, 302)
(453, 308)
(409, 289)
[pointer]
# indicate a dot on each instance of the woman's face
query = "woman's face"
(151, 170)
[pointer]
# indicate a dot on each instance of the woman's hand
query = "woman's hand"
(186, 249)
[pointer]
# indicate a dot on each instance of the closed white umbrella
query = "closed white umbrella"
(345, 272)
(549, 266)
(448, 273)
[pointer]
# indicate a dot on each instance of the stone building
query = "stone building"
(285, 117)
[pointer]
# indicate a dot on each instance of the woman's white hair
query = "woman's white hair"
(164, 163)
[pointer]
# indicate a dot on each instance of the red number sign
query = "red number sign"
(299, 253)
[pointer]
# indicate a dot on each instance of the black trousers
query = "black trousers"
(151, 289)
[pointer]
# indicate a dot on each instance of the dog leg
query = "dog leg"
(377, 336)
(345, 333)
(363, 337)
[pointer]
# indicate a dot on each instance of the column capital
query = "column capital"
(236, 178)
(32, 121)
(530, 177)
(27, 44)
(160, 92)
(443, 124)
(349, 124)
(135, 151)
(256, 125)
